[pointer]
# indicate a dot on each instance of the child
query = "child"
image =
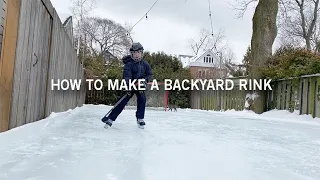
(135, 68)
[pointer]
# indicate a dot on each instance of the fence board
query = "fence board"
(31, 74)
(7, 61)
(317, 97)
(305, 96)
(311, 95)
(22, 72)
(46, 57)
(21, 52)
(3, 7)
(278, 94)
(286, 99)
(26, 60)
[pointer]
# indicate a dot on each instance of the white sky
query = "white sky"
(172, 22)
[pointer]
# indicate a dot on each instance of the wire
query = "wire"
(210, 18)
(145, 15)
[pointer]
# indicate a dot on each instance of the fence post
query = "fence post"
(8, 54)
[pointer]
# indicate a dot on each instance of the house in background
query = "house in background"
(207, 66)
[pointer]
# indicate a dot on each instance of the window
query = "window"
(204, 59)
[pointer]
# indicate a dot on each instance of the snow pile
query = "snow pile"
(249, 99)
(229, 75)
(277, 115)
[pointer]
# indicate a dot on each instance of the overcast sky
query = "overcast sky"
(171, 23)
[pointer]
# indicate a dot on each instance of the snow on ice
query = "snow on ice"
(187, 145)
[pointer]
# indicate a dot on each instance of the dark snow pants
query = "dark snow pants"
(141, 106)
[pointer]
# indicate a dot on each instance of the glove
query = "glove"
(143, 85)
(128, 93)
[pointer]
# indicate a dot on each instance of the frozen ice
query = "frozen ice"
(187, 145)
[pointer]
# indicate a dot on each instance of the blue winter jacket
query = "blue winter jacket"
(136, 70)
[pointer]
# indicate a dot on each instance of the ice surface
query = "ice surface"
(184, 145)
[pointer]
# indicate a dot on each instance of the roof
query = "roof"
(199, 60)
(203, 53)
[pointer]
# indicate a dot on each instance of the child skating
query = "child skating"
(135, 68)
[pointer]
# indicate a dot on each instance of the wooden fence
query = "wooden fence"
(36, 49)
(155, 98)
(219, 99)
(301, 94)
(296, 94)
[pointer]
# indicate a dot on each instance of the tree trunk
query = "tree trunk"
(308, 43)
(263, 36)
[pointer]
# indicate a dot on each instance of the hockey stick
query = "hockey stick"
(120, 100)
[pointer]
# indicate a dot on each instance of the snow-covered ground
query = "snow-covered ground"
(183, 145)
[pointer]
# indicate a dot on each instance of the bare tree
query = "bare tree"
(201, 42)
(217, 42)
(106, 36)
(228, 56)
(299, 21)
(128, 27)
(206, 41)
(80, 10)
(241, 6)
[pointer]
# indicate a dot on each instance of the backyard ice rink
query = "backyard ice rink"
(183, 145)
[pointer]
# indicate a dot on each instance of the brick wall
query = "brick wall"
(206, 72)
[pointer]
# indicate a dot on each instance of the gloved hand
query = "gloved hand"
(143, 84)
(128, 92)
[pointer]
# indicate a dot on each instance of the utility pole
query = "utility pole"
(220, 72)
(220, 65)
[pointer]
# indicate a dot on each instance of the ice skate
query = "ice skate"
(141, 123)
(108, 122)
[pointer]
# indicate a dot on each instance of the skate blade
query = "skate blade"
(141, 127)
(106, 126)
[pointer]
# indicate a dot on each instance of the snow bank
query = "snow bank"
(272, 115)
(40, 125)
(277, 115)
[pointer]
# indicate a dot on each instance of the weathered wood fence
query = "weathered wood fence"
(219, 99)
(36, 49)
(155, 98)
(301, 94)
(296, 94)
